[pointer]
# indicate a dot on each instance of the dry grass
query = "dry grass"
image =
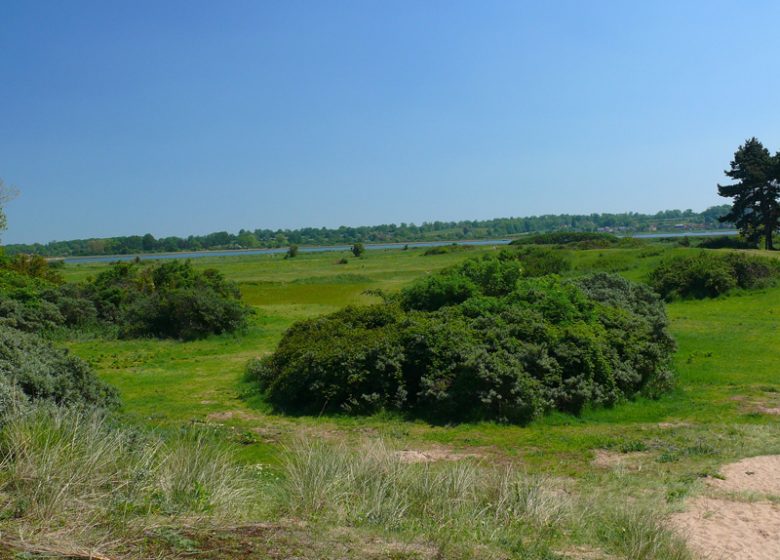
(69, 476)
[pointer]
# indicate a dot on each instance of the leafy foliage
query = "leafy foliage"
(169, 300)
(358, 249)
(479, 341)
(39, 371)
(540, 261)
(166, 300)
(710, 275)
(726, 242)
(756, 193)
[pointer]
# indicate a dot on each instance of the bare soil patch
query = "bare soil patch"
(727, 530)
(605, 459)
(760, 475)
(722, 528)
(229, 415)
(433, 454)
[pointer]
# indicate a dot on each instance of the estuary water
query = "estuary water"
(335, 248)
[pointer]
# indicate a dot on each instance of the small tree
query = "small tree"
(756, 207)
(292, 252)
(7, 193)
(358, 249)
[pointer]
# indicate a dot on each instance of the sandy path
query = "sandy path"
(730, 528)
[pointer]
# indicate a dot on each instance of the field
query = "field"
(651, 454)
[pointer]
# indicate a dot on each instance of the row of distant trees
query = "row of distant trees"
(402, 233)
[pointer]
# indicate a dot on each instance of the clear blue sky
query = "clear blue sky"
(186, 117)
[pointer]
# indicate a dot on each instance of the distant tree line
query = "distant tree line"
(402, 233)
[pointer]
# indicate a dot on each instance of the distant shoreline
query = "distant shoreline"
(346, 247)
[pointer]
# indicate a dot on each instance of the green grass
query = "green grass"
(726, 369)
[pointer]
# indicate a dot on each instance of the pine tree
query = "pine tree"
(756, 193)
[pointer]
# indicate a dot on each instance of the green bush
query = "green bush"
(726, 242)
(446, 249)
(168, 300)
(43, 372)
(358, 249)
(541, 261)
(710, 275)
(477, 342)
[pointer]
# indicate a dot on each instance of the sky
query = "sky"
(121, 117)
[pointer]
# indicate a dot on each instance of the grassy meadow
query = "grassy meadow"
(638, 455)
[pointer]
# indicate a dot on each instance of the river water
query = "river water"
(333, 248)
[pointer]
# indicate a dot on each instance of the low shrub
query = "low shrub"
(566, 237)
(44, 373)
(446, 249)
(541, 261)
(579, 240)
(478, 341)
(711, 274)
(726, 242)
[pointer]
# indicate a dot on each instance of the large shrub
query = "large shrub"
(711, 274)
(169, 300)
(41, 371)
(477, 342)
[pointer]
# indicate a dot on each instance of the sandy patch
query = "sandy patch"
(432, 455)
(760, 475)
(726, 530)
(585, 553)
(605, 459)
(673, 425)
(774, 410)
(229, 415)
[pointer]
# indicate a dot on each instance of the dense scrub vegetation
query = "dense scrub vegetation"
(32, 369)
(725, 242)
(711, 274)
(171, 299)
(478, 341)
(427, 231)
(579, 240)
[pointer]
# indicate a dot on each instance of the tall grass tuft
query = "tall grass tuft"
(68, 470)
(638, 532)
(444, 501)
